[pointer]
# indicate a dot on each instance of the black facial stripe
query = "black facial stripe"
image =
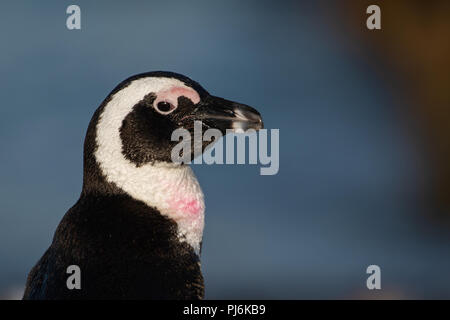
(185, 106)
(146, 134)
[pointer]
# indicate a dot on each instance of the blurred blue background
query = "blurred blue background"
(348, 191)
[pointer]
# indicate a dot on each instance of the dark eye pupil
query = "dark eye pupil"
(164, 106)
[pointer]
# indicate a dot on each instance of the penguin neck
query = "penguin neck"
(171, 189)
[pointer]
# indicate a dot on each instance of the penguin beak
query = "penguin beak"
(223, 114)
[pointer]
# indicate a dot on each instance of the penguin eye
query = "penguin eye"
(165, 107)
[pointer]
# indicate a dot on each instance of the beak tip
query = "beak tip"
(248, 117)
(224, 114)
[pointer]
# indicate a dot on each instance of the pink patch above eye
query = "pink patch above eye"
(171, 95)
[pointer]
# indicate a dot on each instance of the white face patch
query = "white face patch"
(170, 188)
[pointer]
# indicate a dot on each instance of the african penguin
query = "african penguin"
(136, 230)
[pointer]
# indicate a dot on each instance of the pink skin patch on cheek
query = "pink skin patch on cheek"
(188, 206)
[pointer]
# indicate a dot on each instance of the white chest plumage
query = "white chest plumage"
(170, 188)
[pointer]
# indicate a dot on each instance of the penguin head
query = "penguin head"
(147, 108)
(128, 144)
